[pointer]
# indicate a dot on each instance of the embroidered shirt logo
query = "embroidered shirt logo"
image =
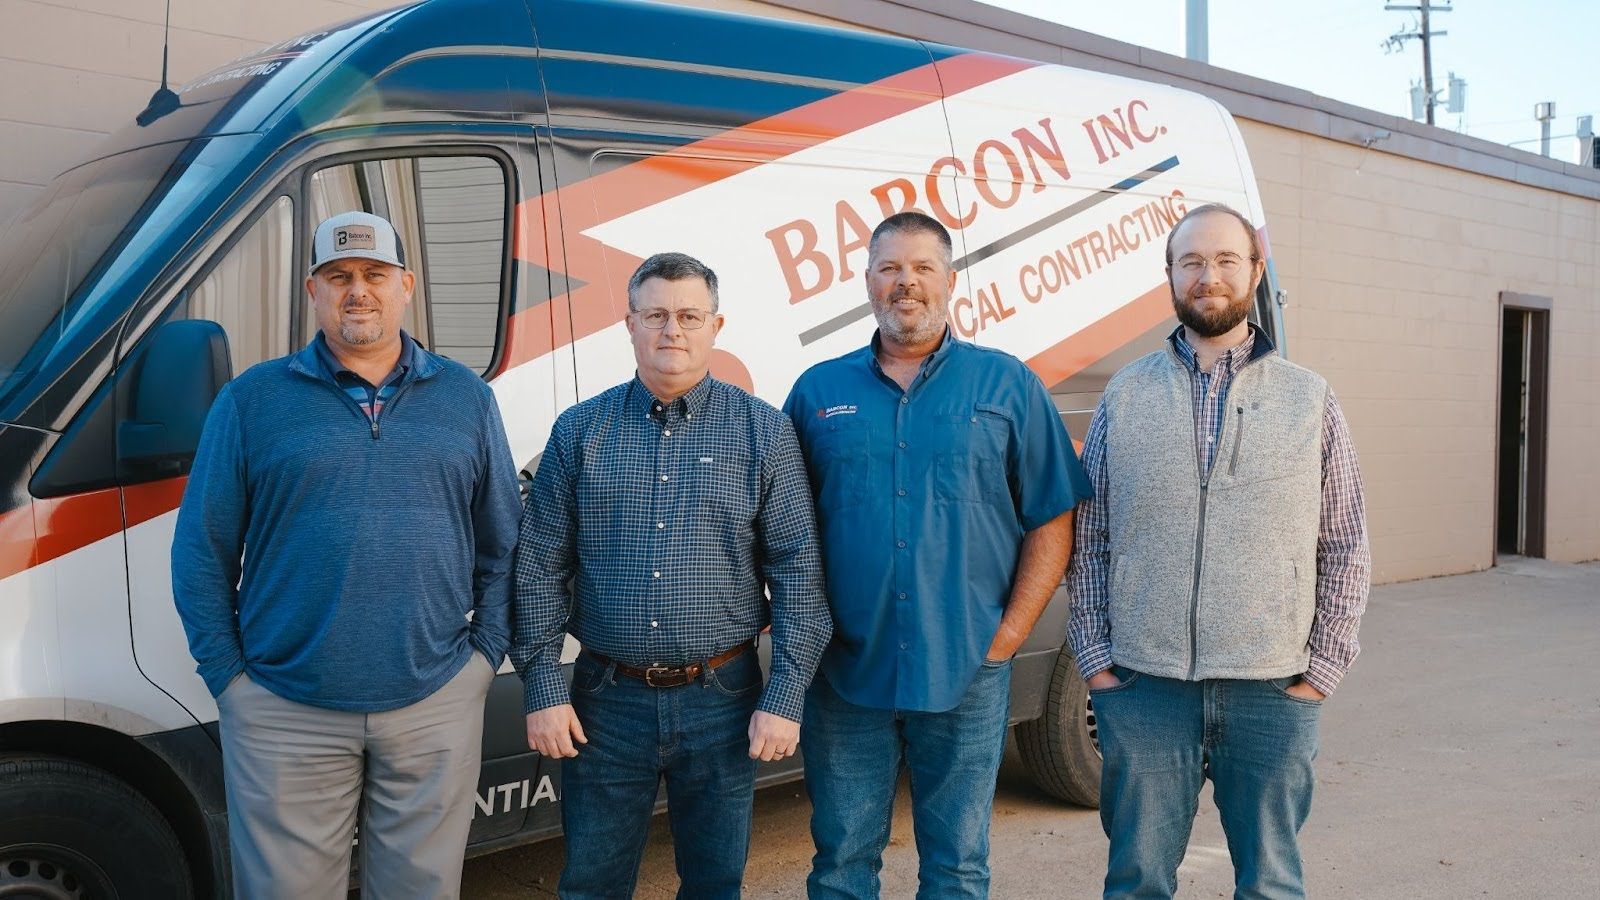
(843, 409)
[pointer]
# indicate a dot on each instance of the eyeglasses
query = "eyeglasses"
(1228, 264)
(688, 319)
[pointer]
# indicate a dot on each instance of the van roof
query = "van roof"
(441, 59)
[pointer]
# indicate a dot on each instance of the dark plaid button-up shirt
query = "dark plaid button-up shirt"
(671, 522)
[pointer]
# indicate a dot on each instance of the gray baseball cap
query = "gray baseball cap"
(356, 235)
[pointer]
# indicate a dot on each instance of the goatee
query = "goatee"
(359, 335)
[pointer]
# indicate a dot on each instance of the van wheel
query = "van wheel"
(69, 831)
(1061, 748)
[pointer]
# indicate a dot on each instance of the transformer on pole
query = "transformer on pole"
(1424, 33)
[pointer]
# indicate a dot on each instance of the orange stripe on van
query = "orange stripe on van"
(1110, 333)
(54, 527)
(572, 209)
(143, 502)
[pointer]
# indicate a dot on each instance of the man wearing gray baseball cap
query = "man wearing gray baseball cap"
(341, 566)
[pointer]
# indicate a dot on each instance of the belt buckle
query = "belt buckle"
(672, 676)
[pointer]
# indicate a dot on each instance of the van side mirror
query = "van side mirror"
(171, 389)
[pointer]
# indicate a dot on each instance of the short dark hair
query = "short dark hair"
(672, 267)
(1225, 209)
(912, 222)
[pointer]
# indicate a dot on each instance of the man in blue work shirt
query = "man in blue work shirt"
(661, 510)
(349, 508)
(945, 484)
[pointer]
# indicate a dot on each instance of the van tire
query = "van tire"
(1059, 748)
(69, 829)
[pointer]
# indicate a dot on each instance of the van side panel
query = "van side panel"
(1072, 181)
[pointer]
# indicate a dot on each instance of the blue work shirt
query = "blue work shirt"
(923, 497)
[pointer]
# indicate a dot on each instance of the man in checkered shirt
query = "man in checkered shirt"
(664, 512)
(1219, 576)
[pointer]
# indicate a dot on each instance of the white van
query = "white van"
(531, 154)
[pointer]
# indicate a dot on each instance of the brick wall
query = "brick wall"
(73, 71)
(1394, 269)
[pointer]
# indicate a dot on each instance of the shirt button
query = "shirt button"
(900, 544)
(652, 623)
(667, 432)
(1211, 440)
(902, 445)
(901, 492)
(904, 400)
(902, 595)
(903, 645)
(663, 478)
(661, 524)
(655, 574)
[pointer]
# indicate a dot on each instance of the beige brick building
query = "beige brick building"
(1397, 243)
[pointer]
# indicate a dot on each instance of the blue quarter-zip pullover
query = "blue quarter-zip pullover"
(337, 563)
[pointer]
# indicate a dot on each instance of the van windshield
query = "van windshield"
(47, 254)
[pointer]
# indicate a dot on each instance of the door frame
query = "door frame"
(1538, 429)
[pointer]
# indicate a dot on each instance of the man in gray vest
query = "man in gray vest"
(1220, 574)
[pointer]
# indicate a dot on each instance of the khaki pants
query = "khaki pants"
(296, 774)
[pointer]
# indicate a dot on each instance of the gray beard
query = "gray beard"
(932, 326)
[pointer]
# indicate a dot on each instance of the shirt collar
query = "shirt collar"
(335, 368)
(1255, 345)
(684, 407)
(930, 363)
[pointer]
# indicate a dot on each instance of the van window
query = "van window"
(451, 215)
(251, 291)
(48, 254)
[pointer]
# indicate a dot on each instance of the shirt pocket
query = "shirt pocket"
(1256, 449)
(969, 455)
(722, 484)
(839, 460)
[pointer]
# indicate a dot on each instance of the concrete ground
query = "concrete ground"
(1461, 758)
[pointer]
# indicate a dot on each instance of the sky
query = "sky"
(1512, 53)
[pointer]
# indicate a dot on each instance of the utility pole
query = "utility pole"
(1196, 31)
(1425, 34)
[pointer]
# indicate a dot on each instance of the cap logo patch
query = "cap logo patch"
(355, 237)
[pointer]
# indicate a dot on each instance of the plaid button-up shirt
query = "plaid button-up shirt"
(1344, 563)
(668, 520)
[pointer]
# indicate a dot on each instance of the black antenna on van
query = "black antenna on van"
(163, 101)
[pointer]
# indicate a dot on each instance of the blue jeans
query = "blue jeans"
(696, 737)
(853, 757)
(1161, 738)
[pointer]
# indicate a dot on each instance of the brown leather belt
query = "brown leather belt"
(672, 676)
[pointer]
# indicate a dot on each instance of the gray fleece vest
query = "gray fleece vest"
(1213, 575)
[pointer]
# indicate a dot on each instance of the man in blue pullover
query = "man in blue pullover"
(341, 566)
